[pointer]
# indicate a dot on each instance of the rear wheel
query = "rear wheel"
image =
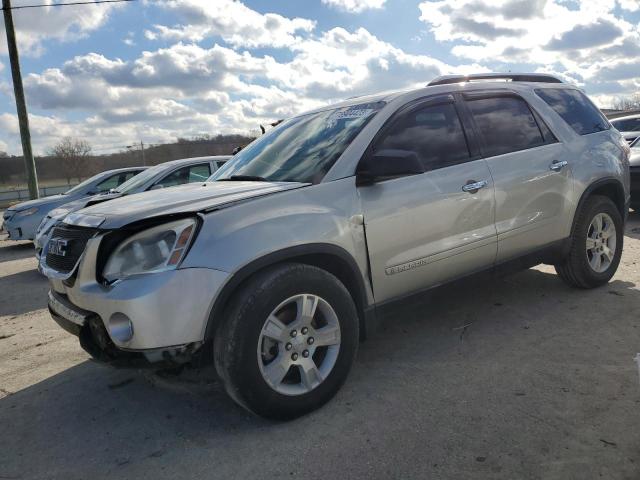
(596, 245)
(288, 341)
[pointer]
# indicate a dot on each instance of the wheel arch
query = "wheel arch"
(607, 187)
(329, 257)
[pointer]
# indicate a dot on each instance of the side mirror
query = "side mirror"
(387, 164)
(157, 186)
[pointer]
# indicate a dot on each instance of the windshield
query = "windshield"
(301, 149)
(133, 184)
(82, 185)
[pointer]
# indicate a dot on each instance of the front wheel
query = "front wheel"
(288, 341)
(596, 245)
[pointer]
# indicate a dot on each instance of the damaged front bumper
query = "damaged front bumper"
(95, 340)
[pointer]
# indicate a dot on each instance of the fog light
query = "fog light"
(120, 327)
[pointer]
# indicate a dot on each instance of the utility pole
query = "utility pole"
(144, 164)
(23, 118)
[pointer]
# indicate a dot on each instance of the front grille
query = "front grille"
(70, 242)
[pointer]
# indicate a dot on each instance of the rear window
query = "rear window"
(506, 124)
(576, 109)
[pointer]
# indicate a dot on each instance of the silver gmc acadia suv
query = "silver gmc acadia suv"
(274, 268)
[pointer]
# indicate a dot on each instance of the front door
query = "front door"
(426, 229)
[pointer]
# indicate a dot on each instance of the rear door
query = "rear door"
(425, 229)
(530, 170)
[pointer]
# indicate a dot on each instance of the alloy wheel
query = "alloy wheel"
(601, 242)
(299, 344)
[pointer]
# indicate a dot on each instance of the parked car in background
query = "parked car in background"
(21, 221)
(634, 168)
(167, 174)
(629, 126)
(275, 268)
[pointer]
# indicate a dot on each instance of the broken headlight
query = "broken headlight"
(153, 250)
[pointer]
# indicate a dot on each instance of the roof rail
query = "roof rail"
(514, 77)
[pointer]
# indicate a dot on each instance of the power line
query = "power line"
(18, 7)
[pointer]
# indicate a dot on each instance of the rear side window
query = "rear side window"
(433, 132)
(576, 109)
(199, 173)
(506, 124)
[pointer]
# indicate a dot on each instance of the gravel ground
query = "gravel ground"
(540, 384)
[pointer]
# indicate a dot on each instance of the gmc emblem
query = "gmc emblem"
(58, 246)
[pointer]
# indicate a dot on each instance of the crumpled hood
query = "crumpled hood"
(70, 207)
(190, 198)
(89, 201)
(52, 201)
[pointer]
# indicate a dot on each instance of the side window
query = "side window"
(433, 132)
(575, 108)
(199, 173)
(506, 124)
(186, 175)
(127, 176)
(112, 182)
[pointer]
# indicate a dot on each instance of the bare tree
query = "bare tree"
(72, 155)
(630, 102)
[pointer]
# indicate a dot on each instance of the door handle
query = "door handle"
(558, 165)
(472, 186)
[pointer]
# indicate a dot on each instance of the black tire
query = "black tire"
(237, 337)
(575, 269)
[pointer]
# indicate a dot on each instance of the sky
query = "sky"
(155, 70)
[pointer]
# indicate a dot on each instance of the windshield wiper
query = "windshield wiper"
(242, 178)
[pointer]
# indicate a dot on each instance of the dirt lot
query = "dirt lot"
(541, 384)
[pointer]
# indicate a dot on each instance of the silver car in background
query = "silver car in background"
(168, 174)
(21, 220)
(628, 125)
(281, 263)
(634, 168)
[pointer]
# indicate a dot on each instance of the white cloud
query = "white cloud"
(583, 40)
(355, 6)
(188, 89)
(209, 77)
(631, 5)
(35, 27)
(234, 22)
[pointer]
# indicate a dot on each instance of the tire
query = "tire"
(577, 269)
(246, 355)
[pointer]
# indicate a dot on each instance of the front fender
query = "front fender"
(309, 224)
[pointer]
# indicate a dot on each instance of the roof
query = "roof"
(628, 115)
(190, 160)
(125, 169)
